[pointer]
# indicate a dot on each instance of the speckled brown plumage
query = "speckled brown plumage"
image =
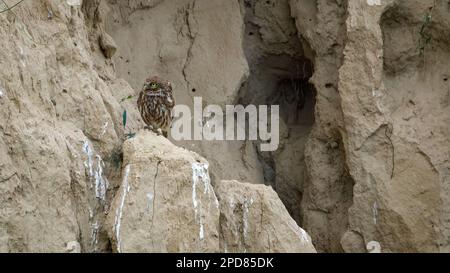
(155, 103)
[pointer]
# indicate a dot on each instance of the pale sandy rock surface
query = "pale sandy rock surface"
(397, 135)
(364, 167)
(166, 202)
(253, 219)
(60, 123)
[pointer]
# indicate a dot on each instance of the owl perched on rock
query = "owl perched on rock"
(155, 103)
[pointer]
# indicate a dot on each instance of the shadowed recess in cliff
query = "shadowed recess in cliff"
(279, 75)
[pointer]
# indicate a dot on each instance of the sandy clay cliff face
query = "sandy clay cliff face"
(362, 166)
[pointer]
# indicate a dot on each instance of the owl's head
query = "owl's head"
(153, 84)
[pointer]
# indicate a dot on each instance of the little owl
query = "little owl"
(155, 104)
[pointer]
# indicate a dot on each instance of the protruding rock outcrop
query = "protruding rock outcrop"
(253, 219)
(166, 203)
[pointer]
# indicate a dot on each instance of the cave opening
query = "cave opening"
(280, 70)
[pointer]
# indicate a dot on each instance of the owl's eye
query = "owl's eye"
(153, 85)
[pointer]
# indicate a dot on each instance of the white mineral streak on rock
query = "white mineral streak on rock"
(304, 237)
(375, 212)
(90, 157)
(374, 2)
(231, 202)
(246, 206)
(101, 183)
(199, 174)
(22, 56)
(202, 231)
(94, 165)
(91, 214)
(95, 227)
(119, 210)
(376, 93)
(74, 2)
(149, 201)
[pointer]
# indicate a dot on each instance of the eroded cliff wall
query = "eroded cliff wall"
(364, 161)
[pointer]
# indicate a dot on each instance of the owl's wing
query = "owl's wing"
(170, 100)
(169, 86)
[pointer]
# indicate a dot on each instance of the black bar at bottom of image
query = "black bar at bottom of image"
(224, 262)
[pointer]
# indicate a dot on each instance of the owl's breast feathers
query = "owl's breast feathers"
(156, 106)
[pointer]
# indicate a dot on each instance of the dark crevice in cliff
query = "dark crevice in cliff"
(279, 75)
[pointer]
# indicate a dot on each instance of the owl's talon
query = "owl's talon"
(158, 131)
